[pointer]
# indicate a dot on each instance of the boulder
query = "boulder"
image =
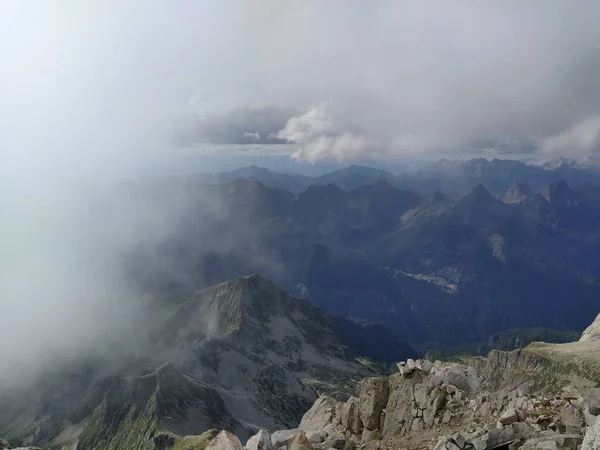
(572, 417)
(570, 393)
(337, 441)
(426, 366)
(509, 416)
(282, 437)
(321, 414)
(260, 441)
(350, 416)
(517, 431)
(299, 442)
(592, 402)
(553, 442)
(316, 437)
(4, 444)
(373, 398)
(459, 440)
(225, 441)
(404, 369)
(592, 438)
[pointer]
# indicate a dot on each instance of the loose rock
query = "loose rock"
(225, 441)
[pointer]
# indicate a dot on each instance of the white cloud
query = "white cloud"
(582, 139)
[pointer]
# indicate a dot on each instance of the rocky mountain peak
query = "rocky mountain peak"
(518, 193)
(479, 197)
(230, 307)
(558, 192)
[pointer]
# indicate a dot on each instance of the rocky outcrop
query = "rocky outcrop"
(225, 441)
(299, 442)
(281, 438)
(350, 416)
(373, 398)
(592, 438)
(322, 414)
(260, 441)
(465, 403)
(592, 333)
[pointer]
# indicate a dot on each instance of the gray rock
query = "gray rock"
(225, 441)
(316, 437)
(321, 414)
(337, 441)
(553, 441)
(4, 444)
(260, 441)
(509, 416)
(452, 446)
(441, 444)
(515, 432)
(373, 398)
(451, 389)
(350, 416)
(283, 437)
(571, 416)
(299, 442)
(366, 434)
(426, 366)
(592, 402)
(592, 438)
(569, 441)
(570, 393)
(404, 369)
(459, 440)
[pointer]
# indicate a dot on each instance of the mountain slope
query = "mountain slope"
(137, 412)
(240, 355)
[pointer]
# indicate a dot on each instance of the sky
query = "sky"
(341, 80)
(91, 92)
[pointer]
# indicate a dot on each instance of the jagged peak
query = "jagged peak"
(224, 308)
(479, 193)
(554, 191)
(517, 193)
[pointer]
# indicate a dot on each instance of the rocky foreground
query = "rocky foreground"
(448, 406)
(510, 401)
(542, 397)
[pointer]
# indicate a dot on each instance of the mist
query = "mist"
(94, 92)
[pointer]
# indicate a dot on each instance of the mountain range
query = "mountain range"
(439, 269)
(453, 177)
(379, 268)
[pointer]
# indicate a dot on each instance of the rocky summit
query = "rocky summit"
(525, 399)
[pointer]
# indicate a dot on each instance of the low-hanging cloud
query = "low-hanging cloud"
(419, 78)
(92, 92)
